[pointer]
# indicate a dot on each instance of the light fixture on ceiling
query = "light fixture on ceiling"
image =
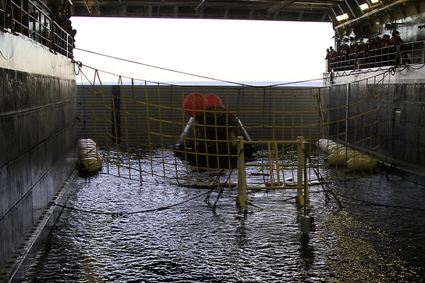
(374, 2)
(364, 6)
(342, 17)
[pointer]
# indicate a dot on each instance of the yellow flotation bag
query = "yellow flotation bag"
(337, 159)
(340, 154)
(351, 153)
(361, 163)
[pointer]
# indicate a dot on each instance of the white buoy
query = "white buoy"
(89, 158)
(326, 145)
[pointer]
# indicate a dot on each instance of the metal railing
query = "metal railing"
(33, 20)
(406, 53)
(276, 166)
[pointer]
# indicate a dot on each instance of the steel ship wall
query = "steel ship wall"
(402, 118)
(403, 123)
(37, 141)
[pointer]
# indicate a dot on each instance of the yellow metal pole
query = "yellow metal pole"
(306, 192)
(300, 173)
(241, 199)
(269, 153)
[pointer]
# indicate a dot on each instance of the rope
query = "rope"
(326, 188)
(186, 73)
(13, 52)
(151, 118)
(116, 214)
(157, 67)
(381, 204)
(216, 184)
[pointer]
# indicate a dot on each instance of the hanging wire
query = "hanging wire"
(186, 73)
(123, 213)
(151, 111)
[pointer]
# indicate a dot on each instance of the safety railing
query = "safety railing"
(32, 20)
(406, 53)
(276, 165)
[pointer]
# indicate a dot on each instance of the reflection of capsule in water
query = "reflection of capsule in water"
(209, 138)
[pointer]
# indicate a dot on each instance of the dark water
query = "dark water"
(380, 240)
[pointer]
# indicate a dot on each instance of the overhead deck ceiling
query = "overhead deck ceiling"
(285, 10)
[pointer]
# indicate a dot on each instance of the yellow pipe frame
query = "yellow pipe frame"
(302, 199)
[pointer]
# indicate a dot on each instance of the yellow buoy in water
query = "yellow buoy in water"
(351, 153)
(337, 159)
(91, 164)
(336, 148)
(362, 163)
(340, 154)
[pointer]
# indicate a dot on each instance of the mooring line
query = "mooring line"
(123, 213)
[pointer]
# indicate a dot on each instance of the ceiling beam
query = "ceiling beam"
(283, 10)
(280, 6)
(374, 13)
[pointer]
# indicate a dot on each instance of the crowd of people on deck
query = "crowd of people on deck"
(364, 49)
(61, 12)
(36, 22)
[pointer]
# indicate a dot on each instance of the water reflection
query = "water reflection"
(307, 254)
(241, 238)
(194, 242)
